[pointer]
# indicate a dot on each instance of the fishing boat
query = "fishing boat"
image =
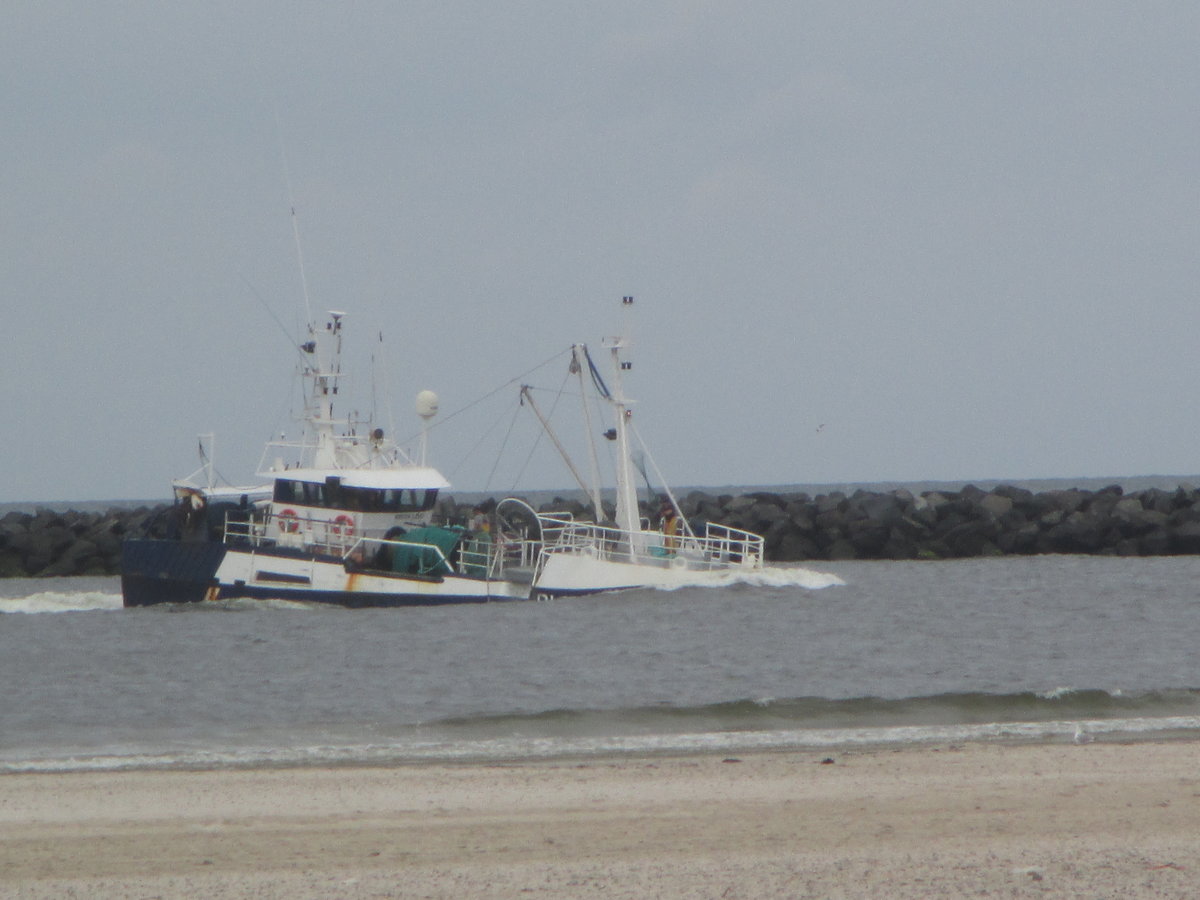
(636, 547)
(347, 517)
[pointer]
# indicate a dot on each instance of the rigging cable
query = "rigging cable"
(597, 379)
(478, 443)
(270, 312)
(490, 394)
(512, 423)
(208, 463)
(544, 430)
(591, 442)
(647, 456)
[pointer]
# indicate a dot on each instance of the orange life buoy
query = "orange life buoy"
(288, 523)
(343, 525)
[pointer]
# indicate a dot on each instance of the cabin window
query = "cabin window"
(301, 493)
(354, 499)
(288, 491)
(388, 500)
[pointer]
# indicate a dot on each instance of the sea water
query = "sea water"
(822, 656)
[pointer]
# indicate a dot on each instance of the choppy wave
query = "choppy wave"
(779, 577)
(766, 577)
(88, 600)
(1059, 715)
(539, 748)
(236, 604)
(772, 714)
(61, 601)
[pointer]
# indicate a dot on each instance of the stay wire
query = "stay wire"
(596, 377)
(541, 432)
(489, 394)
(270, 312)
(482, 437)
(503, 446)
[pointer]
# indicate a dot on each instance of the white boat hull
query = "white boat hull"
(566, 574)
(296, 576)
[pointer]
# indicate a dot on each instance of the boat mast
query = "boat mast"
(628, 517)
(323, 370)
(578, 360)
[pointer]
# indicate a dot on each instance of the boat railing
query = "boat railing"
(733, 545)
(243, 530)
(320, 535)
(552, 525)
(478, 554)
(494, 554)
(562, 533)
(721, 546)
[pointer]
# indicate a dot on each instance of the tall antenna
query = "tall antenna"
(287, 177)
(300, 260)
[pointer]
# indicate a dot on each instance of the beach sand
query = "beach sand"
(1091, 821)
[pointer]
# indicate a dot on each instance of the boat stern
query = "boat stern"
(157, 571)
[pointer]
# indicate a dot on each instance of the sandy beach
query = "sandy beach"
(1094, 820)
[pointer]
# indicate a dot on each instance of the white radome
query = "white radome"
(427, 404)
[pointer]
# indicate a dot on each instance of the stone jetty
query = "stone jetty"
(46, 542)
(954, 524)
(861, 525)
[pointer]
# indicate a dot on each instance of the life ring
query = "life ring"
(288, 523)
(343, 525)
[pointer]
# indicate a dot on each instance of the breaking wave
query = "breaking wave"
(765, 724)
(779, 577)
(61, 601)
(766, 577)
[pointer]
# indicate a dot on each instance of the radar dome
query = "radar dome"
(427, 404)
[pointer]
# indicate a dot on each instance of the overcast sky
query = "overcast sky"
(869, 241)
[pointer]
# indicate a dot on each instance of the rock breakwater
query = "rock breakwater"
(861, 525)
(966, 523)
(47, 542)
(954, 524)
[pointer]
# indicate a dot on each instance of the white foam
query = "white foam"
(768, 577)
(778, 577)
(549, 748)
(1056, 693)
(265, 603)
(61, 601)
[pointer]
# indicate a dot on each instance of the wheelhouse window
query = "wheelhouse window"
(289, 491)
(388, 500)
(331, 495)
(302, 493)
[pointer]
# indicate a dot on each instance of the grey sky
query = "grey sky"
(875, 241)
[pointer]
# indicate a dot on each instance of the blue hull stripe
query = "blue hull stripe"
(353, 600)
